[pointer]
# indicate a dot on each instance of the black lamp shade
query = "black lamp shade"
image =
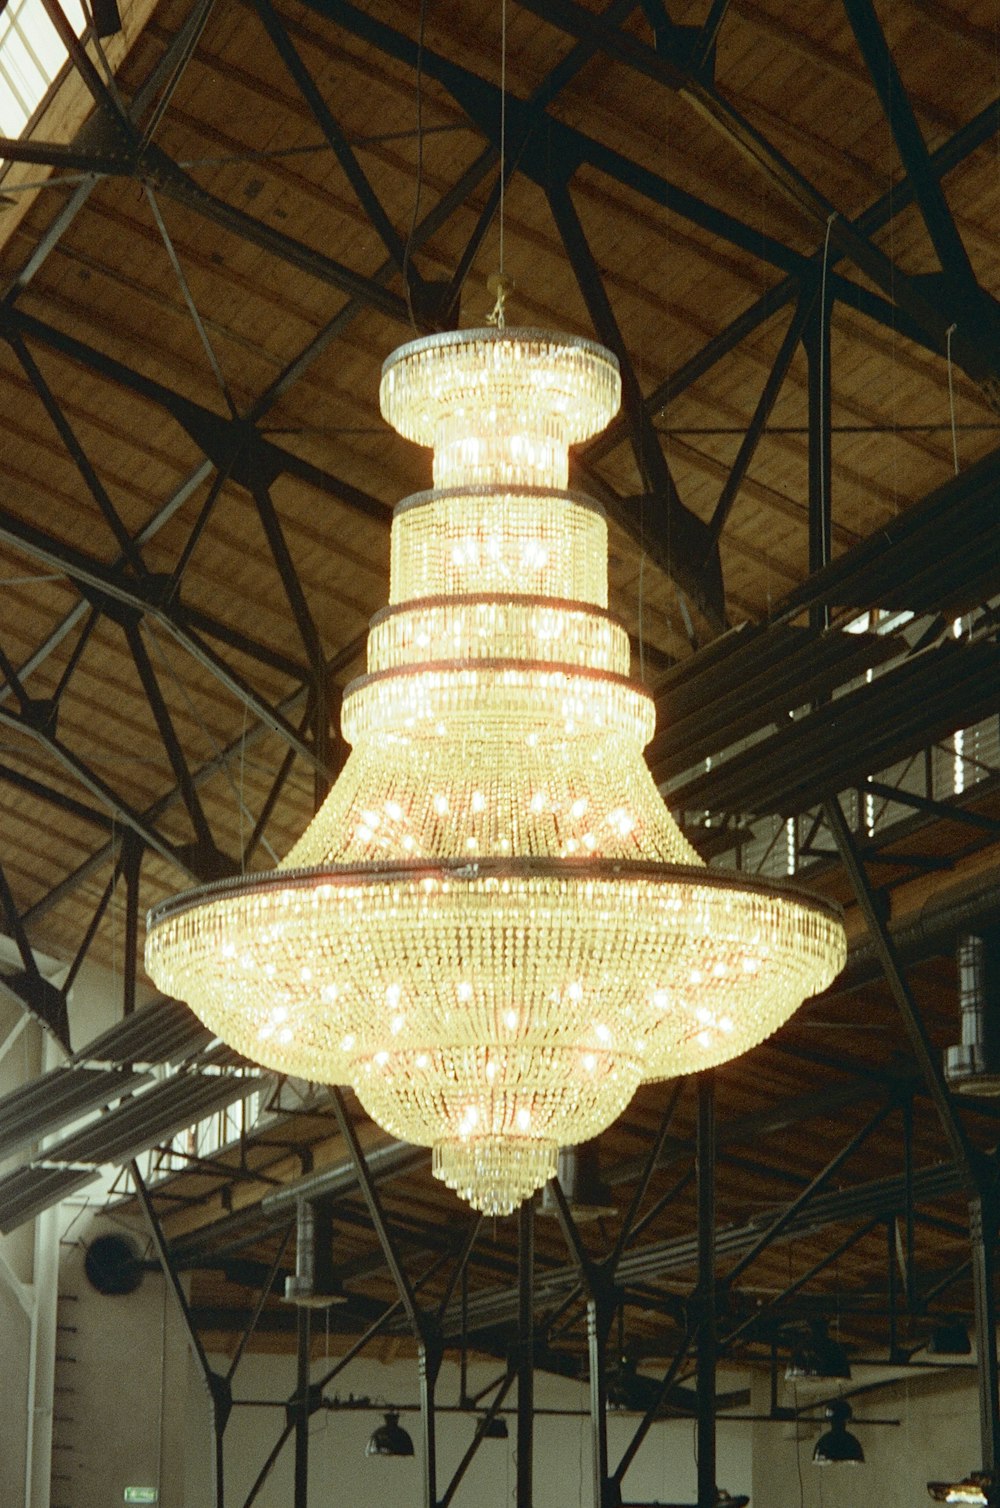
(838, 1447)
(495, 1428)
(389, 1439)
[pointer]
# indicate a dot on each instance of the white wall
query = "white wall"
(20, 1062)
(121, 1380)
(29, 1256)
(937, 1439)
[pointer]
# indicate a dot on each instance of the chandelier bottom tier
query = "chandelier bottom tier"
(493, 928)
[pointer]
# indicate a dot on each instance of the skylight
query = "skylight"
(31, 56)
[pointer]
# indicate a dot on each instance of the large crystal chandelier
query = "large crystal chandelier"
(494, 929)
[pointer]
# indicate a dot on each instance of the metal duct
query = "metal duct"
(972, 1066)
(314, 1285)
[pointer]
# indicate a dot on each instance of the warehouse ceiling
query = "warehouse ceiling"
(782, 219)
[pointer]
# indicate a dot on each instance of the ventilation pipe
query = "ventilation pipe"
(314, 1285)
(972, 1066)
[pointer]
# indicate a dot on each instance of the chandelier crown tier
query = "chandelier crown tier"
(493, 928)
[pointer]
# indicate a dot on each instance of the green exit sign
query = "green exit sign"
(142, 1494)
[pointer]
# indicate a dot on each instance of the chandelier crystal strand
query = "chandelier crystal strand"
(493, 928)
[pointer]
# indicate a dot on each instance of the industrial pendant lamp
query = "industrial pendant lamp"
(493, 928)
(389, 1438)
(838, 1447)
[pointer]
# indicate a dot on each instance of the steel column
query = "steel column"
(430, 1367)
(982, 1235)
(526, 1355)
(707, 1341)
(303, 1338)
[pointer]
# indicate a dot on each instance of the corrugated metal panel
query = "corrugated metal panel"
(166, 1031)
(151, 1118)
(27, 1191)
(221, 1056)
(51, 1102)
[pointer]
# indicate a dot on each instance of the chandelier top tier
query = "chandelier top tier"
(500, 407)
(493, 928)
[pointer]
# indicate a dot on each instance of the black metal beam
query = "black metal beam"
(650, 1165)
(949, 811)
(108, 585)
(78, 456)
(380, 1225)
(67, 158)
(97, 787)
(758, 423)
(480, 1434)
(132, 853)
(788, 1214)
(944, 159)
(234, 441)
(547, 148)
(976, 356)
(967, 1159)
(262, 1298)
(168, 735)
(762, 1312)
(339, 144)
(290, 581)
(911, 146)
(689, 552)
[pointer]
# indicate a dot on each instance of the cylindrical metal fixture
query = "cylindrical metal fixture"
(314, 1285)
(972, 1066)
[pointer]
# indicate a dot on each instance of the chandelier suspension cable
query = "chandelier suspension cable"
(414, 213)
(503, 130)
(499, 283)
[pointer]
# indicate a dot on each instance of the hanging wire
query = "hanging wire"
(408, 248)
(503, 123)
(951, 397)
(499, 283)
(241, 802)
